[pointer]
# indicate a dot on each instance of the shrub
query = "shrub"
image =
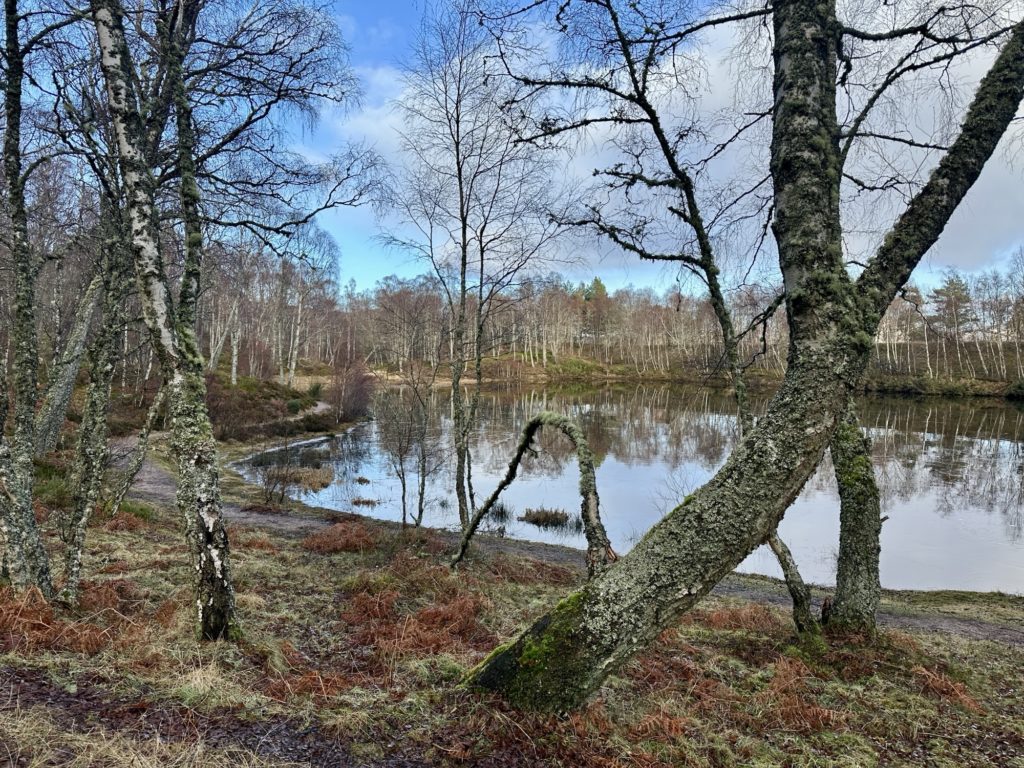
(317, 422)
(255, 406)
(52, 487)
(235, 410)
(351, 391)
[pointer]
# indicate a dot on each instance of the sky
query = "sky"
(985, 231)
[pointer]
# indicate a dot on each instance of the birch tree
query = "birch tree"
(26, 561)
(474, 197)
(172, 334)
(562, 658)
(662, 200)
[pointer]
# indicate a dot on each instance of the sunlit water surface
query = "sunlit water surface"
(951, 475)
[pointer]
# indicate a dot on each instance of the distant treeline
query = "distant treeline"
(967, 328)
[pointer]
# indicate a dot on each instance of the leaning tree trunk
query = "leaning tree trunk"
(858, 587)
(92, 452)
(562, 659)
(173, 337)
(556, 664)
(54, 408)
(138, 457)
(800, 593)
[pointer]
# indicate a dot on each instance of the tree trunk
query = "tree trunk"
(26, 559)
(798, 589)
(217, 340)
(556, 664)
(236, 335)
(174, 342)
(562, 659)
(91, 455)
(858, 589)
(52, 412)
(138, 455)
(599, 549)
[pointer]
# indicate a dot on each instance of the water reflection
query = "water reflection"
(951, 475)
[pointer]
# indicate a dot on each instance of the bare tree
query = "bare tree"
(474, 197)
(172, 336)
(26, 560)
(661, 199)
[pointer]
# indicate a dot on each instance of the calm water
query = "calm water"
(951, 476)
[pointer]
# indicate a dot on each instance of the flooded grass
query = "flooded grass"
(501, 512)
(552, 519)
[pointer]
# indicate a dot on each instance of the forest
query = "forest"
(759, 504)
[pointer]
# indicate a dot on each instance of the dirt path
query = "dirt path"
(156, 485)
(94, 709)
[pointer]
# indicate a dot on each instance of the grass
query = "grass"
(938, 387)
(356, 638)
(361, 632)
(29, 737)
(545, 517)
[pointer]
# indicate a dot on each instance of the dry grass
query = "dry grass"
(545, 517)
(744, 618)
(250, 540)
(310, 479)
(341, 537)
(30, 739)
(366, 634)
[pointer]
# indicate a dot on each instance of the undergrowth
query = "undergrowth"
(361, 634)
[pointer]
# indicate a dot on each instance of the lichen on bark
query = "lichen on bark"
(858, 587)
(173, 338)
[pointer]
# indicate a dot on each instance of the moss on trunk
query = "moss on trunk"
(858, 588)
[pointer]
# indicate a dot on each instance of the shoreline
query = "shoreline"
(965, 613)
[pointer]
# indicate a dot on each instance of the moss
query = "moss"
(531, 671)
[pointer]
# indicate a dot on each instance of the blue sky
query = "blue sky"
(985, 231)
(379, 35)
